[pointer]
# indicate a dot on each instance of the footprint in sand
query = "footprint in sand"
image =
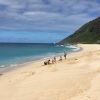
(28, 73)
(73, 61)
(22, 76)
(52, 68)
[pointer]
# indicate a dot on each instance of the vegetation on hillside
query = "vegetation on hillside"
(88, 33)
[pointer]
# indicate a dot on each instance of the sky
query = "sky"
(44, 20)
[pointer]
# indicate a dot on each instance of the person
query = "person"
(49, 62)
(65, 55)
(45, 62)
(54, 59)
(60, 58)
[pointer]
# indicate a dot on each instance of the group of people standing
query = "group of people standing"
(54, 60)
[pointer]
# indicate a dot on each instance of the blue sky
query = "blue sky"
(44, 20)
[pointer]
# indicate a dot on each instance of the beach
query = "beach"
(76, 78)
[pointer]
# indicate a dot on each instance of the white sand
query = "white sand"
(77, 78)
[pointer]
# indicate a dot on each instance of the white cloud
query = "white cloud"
(52, 15)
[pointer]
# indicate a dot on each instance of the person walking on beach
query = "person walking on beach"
(55, 59)
(65, 54)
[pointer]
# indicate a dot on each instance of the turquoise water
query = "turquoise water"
(13, 54)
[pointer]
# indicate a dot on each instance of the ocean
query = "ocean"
(12, 54)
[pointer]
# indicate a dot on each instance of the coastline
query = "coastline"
(76, 78)
(41, 59)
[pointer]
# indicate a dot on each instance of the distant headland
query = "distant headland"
(88, 33)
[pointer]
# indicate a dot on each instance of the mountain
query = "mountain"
(88, 33)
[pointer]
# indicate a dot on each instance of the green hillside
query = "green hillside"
(88, 33)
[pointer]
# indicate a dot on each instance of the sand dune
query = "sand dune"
(77, 78)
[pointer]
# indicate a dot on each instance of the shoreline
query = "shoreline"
(8, 69)
(76, 78)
